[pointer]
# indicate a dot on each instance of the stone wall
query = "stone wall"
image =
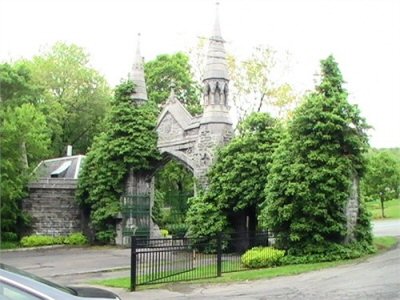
(211, 136)
(351, 209)
(51, 204)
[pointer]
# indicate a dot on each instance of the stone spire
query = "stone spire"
(216, 79)
(216, 66)
(140, 94)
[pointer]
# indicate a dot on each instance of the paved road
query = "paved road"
(79, 265)
(386, 227)
(376, 278)
(71, 265)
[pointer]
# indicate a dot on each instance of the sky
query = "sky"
(362, 35)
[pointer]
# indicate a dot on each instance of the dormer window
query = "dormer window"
(61, 170)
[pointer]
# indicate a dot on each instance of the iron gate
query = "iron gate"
(136, 213)
(180, 259)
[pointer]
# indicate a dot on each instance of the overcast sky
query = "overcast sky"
(363, 36)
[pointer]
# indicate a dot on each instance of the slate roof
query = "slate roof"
(67, 167)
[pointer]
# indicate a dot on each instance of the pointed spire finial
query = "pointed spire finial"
(138, 75)
(216, 65)
(171, 97)
(217, 29)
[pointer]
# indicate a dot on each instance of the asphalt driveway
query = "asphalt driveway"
(377, 278)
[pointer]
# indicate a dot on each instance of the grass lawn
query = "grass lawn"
(392, 209)
(381, 244)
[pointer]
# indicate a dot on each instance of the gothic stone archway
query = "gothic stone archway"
(192, 140)
(189, 139)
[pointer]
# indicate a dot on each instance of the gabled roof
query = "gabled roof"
(177, 110)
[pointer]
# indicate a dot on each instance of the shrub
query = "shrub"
(9, 237)
(76, 238)
(164, 232)
(332, 253)
(177, 230)
(8, 245)
(259, 257)
(41, 240)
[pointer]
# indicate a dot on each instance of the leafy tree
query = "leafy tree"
(256, 78)
(256, 81)
(17, 87)
(168, 72)
(237, 179)
(382, 178)
(129, 142)
(309, 182)
(76, 97)
(24, 141)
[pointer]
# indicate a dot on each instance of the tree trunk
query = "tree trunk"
(383, 208)
(24, 156)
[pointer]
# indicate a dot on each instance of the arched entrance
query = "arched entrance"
(191, 140)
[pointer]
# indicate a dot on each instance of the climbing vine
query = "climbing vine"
(129, 142)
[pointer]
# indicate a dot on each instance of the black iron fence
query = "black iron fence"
(183, 259)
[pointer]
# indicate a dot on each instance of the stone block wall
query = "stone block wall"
(352, 207)
(51, 204)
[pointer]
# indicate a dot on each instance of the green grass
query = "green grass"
(384, 243)
(381, 244)
(392, 209)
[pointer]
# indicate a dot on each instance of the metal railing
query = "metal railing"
(183, 259)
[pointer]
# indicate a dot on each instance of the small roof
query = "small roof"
(67, 167)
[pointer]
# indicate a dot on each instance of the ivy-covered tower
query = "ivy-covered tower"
(139, 184)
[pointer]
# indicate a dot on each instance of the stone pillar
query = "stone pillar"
(352, 208)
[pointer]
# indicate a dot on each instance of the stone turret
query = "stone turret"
(137, 76)
(216, 80)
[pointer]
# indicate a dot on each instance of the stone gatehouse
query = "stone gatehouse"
(51, 201)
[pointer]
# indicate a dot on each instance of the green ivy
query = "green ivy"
(129, 142)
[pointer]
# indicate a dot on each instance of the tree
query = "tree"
(129, 142)
(257, 86)
(24, 141)
(312, 171)
(173, 71)
(238, 177)
(76, 97)
(256, 81)
(382, 178)
(17, 87)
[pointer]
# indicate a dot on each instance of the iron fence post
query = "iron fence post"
(219, 255)
(133, 263)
